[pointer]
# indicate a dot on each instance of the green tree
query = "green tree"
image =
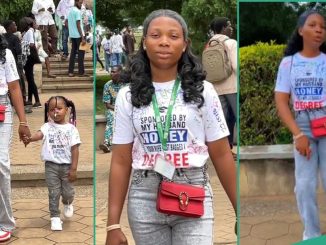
(14, 9)
(199, 14)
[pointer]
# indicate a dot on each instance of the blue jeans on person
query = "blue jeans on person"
(149, 226)
(229, 106)
(7, 221)
(107, 61)
(115, 59)
(65, 37)
(306, 174)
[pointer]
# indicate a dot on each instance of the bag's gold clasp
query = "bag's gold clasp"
(183, 200)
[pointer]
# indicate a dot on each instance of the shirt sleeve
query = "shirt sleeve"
(10, 67)
(75, 137)
(106, 94)
(233, 54)
(213, 117)
(123, 125)
(283, 83)
(44, 129)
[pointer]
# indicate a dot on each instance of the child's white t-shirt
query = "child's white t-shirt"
(57, 142)
(190, 127)
(307, 83)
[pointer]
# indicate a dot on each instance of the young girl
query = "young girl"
(60, 153)
(302, 77)
(166, 81)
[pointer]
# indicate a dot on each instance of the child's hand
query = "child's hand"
(72, 175)
(26, 140)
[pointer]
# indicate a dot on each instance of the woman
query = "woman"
(28, 37)
(9, 82)
(301, 77)
(197, 131)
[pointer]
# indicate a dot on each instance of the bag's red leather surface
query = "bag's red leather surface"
(2, 113)
(318, 127)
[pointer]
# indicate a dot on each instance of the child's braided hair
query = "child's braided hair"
(68, 103)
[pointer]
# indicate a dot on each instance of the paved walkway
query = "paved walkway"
(274, 220)
(223, 211)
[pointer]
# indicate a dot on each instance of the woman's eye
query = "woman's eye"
(154, 35)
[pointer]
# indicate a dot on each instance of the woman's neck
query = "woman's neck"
(310, 52)
(160, 75)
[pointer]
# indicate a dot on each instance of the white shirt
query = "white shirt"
(28, 37)
(116, 44)
(57, 142)
(44, 17)
(229, 85)
(305, 79)
(64, 7)
(190, 128)
(106, 45)
(8, 72)
(2, 30)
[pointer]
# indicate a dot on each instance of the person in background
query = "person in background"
(62, 11)
(78, 38)
(110, 91)
(43, 11)
(227, 90)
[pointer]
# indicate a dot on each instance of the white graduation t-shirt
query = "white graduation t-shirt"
(190, 127)
(57, 142)
(8, 72)
(307, 84)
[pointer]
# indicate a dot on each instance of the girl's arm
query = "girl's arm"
(36, 137)
(118, 185)
(74, 162)
(225, 167)
(282, 105)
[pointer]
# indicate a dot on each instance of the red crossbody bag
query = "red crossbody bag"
(318, 127)
(2, 113)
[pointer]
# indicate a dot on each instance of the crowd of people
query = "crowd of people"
(45, 31)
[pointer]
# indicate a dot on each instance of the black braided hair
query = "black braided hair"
(3, 46)
(68, 103)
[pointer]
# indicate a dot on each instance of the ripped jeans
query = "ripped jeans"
(56, 177)
(149, 227)
(306, 174)
(7, 222)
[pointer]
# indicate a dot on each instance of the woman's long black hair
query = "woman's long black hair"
(295, 43)
(138, 71)
(3, 46)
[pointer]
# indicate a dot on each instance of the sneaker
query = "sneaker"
(37, 105)
(68, 210)
(56, 224)
(105, 148)
(4, 235)
(28, 103)
(28, 109)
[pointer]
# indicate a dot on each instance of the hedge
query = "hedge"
(259, 123)
(100, 81)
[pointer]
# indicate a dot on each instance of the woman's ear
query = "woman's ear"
(185, 45)
(300, 31)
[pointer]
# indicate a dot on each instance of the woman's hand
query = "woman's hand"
(24, 133)
(116, 237)
(302, 145)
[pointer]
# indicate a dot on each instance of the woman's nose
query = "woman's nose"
(164, 41)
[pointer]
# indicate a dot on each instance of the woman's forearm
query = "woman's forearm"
(17, 100)
(284, 112)
(118, 182)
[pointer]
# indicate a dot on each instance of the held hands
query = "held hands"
(24, 134)
(302, 145)
(116, 237)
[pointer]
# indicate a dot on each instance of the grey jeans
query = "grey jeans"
(229, 106)
(150, 227)
(7, 222)
(56, 177)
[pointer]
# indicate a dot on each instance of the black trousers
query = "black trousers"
(32, 89)
(75, 42)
